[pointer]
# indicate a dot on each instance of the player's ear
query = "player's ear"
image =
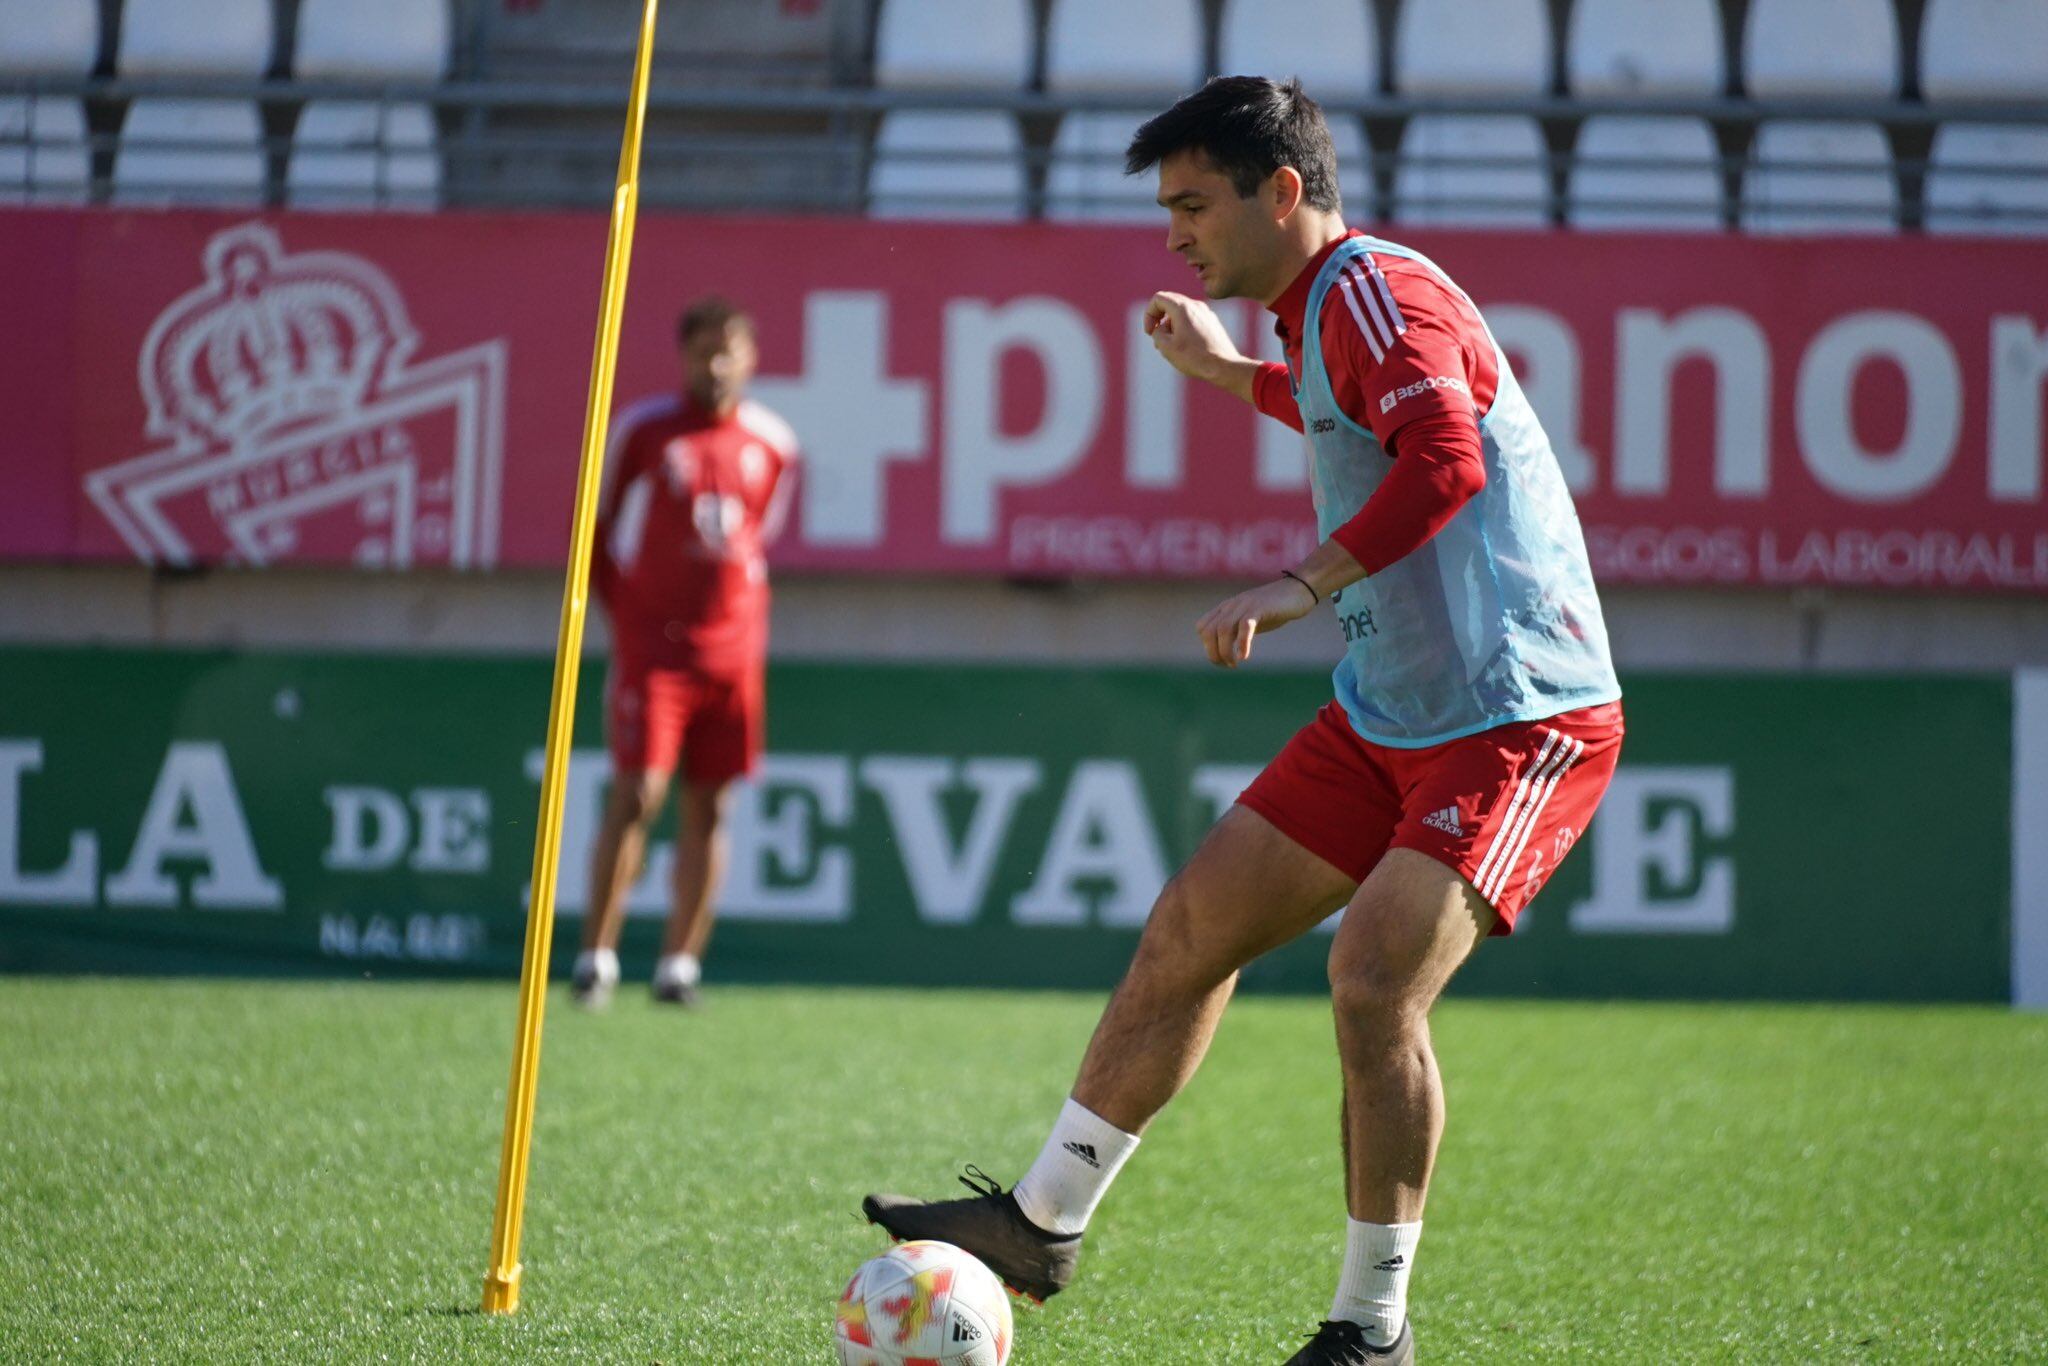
(1284, 192)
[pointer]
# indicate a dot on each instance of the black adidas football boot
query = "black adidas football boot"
(1339, 1342)
(1032, 1262)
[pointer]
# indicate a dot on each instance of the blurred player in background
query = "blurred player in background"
(697, 485)
(1475, 726)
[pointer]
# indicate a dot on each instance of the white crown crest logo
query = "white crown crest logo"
(270, 340)
(301, 427)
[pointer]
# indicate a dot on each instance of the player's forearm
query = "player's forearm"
(1328, 568)
(1234, 375)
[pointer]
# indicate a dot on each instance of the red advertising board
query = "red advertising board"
(407, 391)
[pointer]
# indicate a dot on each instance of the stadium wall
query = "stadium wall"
(1824, 837)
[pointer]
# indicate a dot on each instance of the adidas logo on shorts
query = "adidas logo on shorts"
(1445, 820)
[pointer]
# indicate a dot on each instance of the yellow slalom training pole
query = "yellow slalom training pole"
(501, 1282)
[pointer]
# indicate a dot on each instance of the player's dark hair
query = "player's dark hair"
(1248, 127)
(710, 313)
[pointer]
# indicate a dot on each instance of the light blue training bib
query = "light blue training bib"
(1494, 619)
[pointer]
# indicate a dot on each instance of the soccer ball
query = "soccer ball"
(923, 1303)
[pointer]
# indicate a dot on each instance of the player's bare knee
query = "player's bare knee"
(1173, 952)
(704, 806)
(635, 798)
(1375, 1000)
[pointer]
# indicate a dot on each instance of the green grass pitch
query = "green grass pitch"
(303, 1172)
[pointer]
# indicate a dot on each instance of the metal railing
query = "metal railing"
(553, 144)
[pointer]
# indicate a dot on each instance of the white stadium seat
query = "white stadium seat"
(1085, 181)
(1474, 169)
(195, 38)
(1680, 191)
(1798, 48)
(1472, 47)
(1477, 170)
(356, 154)
(373, 39)
(1123, 45)
(945, 43)
(1619, 48)
(1815, 176)
(177, 151)
(1971, 182)
(51, 37)
(1330, 44)
(44, 157)
(1354, 164)
(942, 164)
(1984, 49)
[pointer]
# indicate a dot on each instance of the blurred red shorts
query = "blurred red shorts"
(653, 716)
(1502, 807)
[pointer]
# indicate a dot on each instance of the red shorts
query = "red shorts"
(1502, 807)
(653, 716)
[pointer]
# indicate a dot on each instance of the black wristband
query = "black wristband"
(1290, 574)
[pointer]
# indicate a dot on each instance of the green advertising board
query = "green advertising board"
(1765, 836)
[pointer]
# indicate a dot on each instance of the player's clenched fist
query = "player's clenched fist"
(1227, 628)
(1190, 335)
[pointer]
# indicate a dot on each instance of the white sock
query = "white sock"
(603, 964)
(1073, 1171)
(1373, 1291)
(678, 970)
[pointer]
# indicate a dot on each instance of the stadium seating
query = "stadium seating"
(373, 39)
(192, 151)
(1126, 46)
(1085, 181)
(945, 164)
(1330, 44)
(941, 164)
(1795, 48)
(945, 44)
(178, 151)
(1354, 165)
(1611, 187)
(1472, 47)
(44, 157)
(1479, 169)
(351, 153)
(1810, 176)
(1619, 48)
(1119, 46)
(1988, 178)
(1644, 171)
(49, 37)
(1984, 49)
(195, 38)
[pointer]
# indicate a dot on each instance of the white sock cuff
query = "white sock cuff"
(603, 963)
(1079, 1124)
(678, 969)
(1373, 1289)
(1081, 1157)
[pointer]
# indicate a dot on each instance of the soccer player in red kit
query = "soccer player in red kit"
(696, 487)
(1475, 724)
